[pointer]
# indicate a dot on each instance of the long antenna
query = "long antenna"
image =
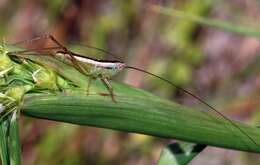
(196, 97)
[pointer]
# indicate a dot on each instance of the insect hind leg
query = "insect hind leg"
(43, 37)
(60, 45)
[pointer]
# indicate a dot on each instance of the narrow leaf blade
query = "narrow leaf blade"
(4, 142)
(14, 140)
(146, 115)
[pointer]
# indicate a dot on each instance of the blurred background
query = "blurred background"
(215, 63)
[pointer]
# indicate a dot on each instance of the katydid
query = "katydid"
(104, 70)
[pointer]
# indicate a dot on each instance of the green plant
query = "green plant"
(44, 87)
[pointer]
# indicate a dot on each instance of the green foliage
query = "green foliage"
(4, 142)
(18, 77)
(135, 110)
(14, 140)
(179, 153)
(10, 143)
(63, 91)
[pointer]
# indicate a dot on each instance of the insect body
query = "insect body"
(95, 68)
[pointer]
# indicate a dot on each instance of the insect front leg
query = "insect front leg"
(108, 86)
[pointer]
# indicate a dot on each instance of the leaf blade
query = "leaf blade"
(146, 115)
(14, 140)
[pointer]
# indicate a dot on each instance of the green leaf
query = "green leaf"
(14, 140)
(140, 112)
(179, 153)
(4, 141)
